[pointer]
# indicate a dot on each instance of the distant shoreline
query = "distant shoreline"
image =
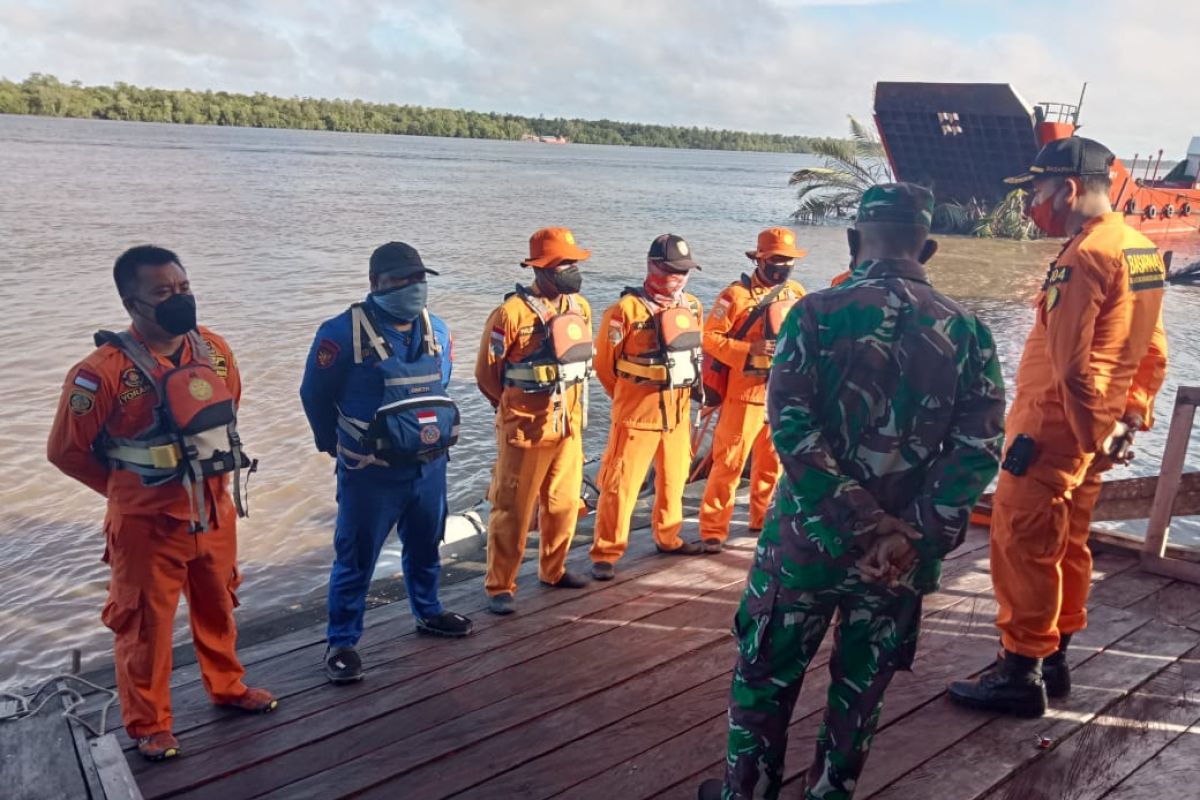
(46, 96)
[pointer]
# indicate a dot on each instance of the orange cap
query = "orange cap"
(549, 247)
(776, 242)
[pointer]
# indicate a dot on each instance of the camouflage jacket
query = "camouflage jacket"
(885, 396)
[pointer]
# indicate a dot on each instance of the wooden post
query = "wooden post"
(1170, 475)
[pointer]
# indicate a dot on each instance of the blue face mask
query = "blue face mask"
(404, 303)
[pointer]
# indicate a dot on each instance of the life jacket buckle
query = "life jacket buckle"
(545, 373)
(165, 456)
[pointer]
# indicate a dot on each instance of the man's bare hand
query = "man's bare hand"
(762, 347)
(889, 557)
(888, 525)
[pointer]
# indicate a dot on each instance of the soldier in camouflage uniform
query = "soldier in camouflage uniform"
(886, 405)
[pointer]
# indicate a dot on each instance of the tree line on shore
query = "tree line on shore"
(45, 95)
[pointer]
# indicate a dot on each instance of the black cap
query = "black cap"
(398, 258)
(673, 252)
(1073, 155)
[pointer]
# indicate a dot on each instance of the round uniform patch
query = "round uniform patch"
(430, 434)
(81, 402)
(683, 320)
(200, 389)
(1051, 297)
(614, 335)
(682, 247)
(570, 237)
(132, 378)
(788, 239)
(574, 332)
(719, 312)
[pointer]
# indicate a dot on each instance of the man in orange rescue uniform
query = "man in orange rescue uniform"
(1092, 365)
(740, 334)
(648, 358)
(533, 367)
(165, 532)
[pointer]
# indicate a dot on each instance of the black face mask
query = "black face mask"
(565, 281)
(177, 314)
(775, 274)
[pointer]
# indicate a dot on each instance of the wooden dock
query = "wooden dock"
(619, 690)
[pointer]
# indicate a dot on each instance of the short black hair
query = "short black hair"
(125, 269)
(902, 239)
(1095, 183)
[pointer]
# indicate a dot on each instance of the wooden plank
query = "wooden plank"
(114, 772)
(1177, 569)
(1117, 742)
(1171, 471)
(1177, 603)
(904, 741)
(37, 758)
(650, 725)
(298, 669)
(87, 767)
(975, 764)
(447, 664)
(426, 703)
(385, 749)
(955, 634)
(1167, 774)
(1127, 588)
(1131, 498)
(465, 597)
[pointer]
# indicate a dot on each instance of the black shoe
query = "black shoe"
(685, 549)
(446, 623)
(502, 604)
(1056, 674)
(603, 571)
(1013, 685)
(342, 665)
(713, 545)
(711, 789)
(754, 531)
(569, 580)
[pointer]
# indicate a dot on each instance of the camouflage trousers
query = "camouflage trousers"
(779, 631)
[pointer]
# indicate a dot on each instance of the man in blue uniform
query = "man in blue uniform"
(375, 392)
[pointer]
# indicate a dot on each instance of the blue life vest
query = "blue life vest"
(416, 420)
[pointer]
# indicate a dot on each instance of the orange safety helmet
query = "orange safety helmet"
(549, 247)
(776, 242)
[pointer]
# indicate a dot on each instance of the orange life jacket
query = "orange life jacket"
(565, 357)
(194, 433)
(676, 362)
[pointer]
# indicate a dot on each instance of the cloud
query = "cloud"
(789, 66)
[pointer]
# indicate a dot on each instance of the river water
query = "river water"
(275, 228)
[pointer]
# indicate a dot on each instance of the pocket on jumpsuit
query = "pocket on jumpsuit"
(753, 616)
(123, 609)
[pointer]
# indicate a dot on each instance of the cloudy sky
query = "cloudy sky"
(785, 66)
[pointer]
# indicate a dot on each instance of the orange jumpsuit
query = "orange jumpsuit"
(650, 423)
(742, 428)
(539, 442)
(1097, 352)
(152, 554)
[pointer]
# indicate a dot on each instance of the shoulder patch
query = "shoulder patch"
(1146, 269)
(1051, 299)
(87, 380)
(1056, 275)
(81, 402)
(327, 353)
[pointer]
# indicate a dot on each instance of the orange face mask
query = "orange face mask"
(1052, 221)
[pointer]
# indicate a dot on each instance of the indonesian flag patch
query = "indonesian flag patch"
(87, 380)
(426, 418)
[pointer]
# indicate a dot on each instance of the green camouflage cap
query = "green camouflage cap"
(905, 203)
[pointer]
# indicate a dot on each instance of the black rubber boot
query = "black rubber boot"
(711, 789)
(1056, 674)
(1013, 685)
